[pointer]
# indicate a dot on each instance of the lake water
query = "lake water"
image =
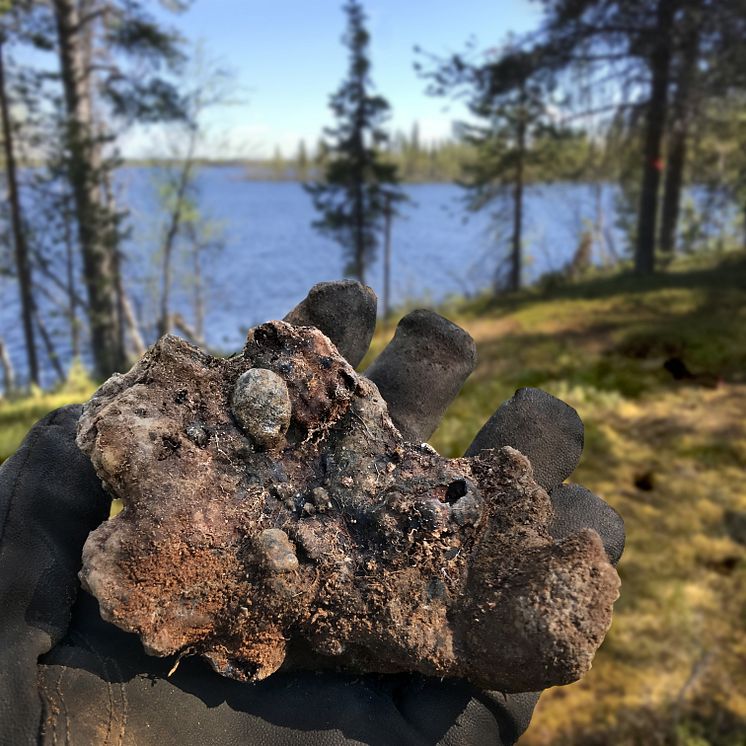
(271, 255)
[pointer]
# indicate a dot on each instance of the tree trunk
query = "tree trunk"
(198, 298)
(599, 229)
(23, 268)
(359, 210)
(359, 218)
(169, 241)
(189, 332)
(678, 135)
(95, 234)
(516, 253)
(673, 185)
(387, 259)
(53, 357)
(113, 244)
(359, 234)
(130, 321)
(9, 378)
(655, 122)
(71, 292)
(199, 301)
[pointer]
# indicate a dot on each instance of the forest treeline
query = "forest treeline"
(574, 158)
(419, 161)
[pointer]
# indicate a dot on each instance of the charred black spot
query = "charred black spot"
(456, 490)
(268, 337)
(645, 481)
(349, 380)
(724, 566)
(171, 445)
(241, 670)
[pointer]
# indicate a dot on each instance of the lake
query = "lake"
(271, 255)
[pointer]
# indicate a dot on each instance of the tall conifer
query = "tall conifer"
(356, 186)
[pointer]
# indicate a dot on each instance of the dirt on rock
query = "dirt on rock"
(325, 531)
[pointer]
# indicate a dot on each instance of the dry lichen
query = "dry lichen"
(325, 531)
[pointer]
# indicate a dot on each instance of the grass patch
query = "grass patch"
(673, 668)
(18, 414)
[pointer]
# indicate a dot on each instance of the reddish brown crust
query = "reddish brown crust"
(406, 560)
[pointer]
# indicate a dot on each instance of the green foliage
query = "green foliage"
(719, 154)
(358, 187)
(19, 413)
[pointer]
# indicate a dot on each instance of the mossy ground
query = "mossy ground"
(18, 414)
(669, 455)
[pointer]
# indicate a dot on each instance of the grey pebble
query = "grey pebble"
(197, 434)
(261, 405)
(277, 551)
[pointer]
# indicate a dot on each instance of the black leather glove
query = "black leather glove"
(66, 676)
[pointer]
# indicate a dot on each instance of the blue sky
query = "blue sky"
(287, 57)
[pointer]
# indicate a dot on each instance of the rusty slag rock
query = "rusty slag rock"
(271, 507)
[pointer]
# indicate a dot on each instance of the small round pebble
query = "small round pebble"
(320, 499)
(467, 510)
(277, 550)
(261, 406)
(197, 434)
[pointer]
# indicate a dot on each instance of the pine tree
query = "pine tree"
(510, 98)
(111, 54)
(277, 164)
(686, 56)
(301, 161)
(357, 186)
(659, 62)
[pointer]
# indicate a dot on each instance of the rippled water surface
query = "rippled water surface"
(271, 255)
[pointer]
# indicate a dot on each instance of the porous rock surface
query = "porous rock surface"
(322, 530)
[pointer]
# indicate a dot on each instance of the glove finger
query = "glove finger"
(422, 370)
(50, 498)
(481, 716)
(576, 508)
(512, 711)
(540, 426)
(345, 311)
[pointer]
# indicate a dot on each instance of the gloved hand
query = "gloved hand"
(66, 676)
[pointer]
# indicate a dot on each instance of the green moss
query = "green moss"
(18, 414)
